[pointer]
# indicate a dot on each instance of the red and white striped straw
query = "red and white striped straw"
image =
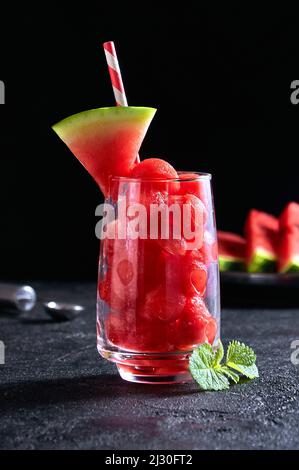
(115, 74)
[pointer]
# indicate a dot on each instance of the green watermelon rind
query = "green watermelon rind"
(262, 261)
(112, 115)
(229, 263)
(292, 266)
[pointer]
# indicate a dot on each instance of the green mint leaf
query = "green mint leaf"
(230, 374)
(205, 369)
(239, 353)
(242, 358)
(219, 353)
(249, 371)
(204, 356)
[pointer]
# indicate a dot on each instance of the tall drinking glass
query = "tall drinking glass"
(158, 286)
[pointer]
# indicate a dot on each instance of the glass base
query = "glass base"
(151, 368)
(148, 376)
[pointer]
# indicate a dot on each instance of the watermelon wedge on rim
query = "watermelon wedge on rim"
(262, 232)
(232, 251)
(106, 140)
(289, 239)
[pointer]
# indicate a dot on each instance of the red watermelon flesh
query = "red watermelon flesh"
(155, 168)
(186, 273)
(289, 218)
(106, 140)
(191, 234)
(192, 183)
(289, 239)
(262, 232)
(232, 251)
(195, 325)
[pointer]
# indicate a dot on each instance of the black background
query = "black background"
(220, 78)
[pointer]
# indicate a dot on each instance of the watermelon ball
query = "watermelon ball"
(124, 286)
(120, 256)
(186, 273)
(130, 270)
(163, 304)
(150, 335)
(157, 197)
(134, 276)
(154, 168)
(179, 240)
(153, 201)
(116, 328)
(195, 274)
(119, 286)
(197, 212)
(108, 294)
(211, 330)
(125, 271)
(174, 246)
(190, 183)
(198, 279)
(104, 289)
(196, 325)
(121, 327)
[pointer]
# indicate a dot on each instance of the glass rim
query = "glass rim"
(196, 176)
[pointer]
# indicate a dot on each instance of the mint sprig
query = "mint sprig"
(242, 358)
(211, 374)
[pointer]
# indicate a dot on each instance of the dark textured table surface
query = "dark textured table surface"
(57, 393)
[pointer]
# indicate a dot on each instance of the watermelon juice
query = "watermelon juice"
(158, 293)
(158, 296)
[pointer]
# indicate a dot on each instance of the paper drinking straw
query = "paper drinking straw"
(115, 74)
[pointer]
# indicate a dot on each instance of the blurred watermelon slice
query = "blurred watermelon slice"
(106, 140)
(289, 239)
(232, 250)
(262, 232)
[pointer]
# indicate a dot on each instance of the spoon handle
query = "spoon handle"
(17, 297)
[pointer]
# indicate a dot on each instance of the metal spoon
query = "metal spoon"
(63, 311)
(17, 297)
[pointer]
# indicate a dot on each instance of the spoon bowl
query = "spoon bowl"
(63, 311)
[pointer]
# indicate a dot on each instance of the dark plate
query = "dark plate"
(259, 290)
(260, 279)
